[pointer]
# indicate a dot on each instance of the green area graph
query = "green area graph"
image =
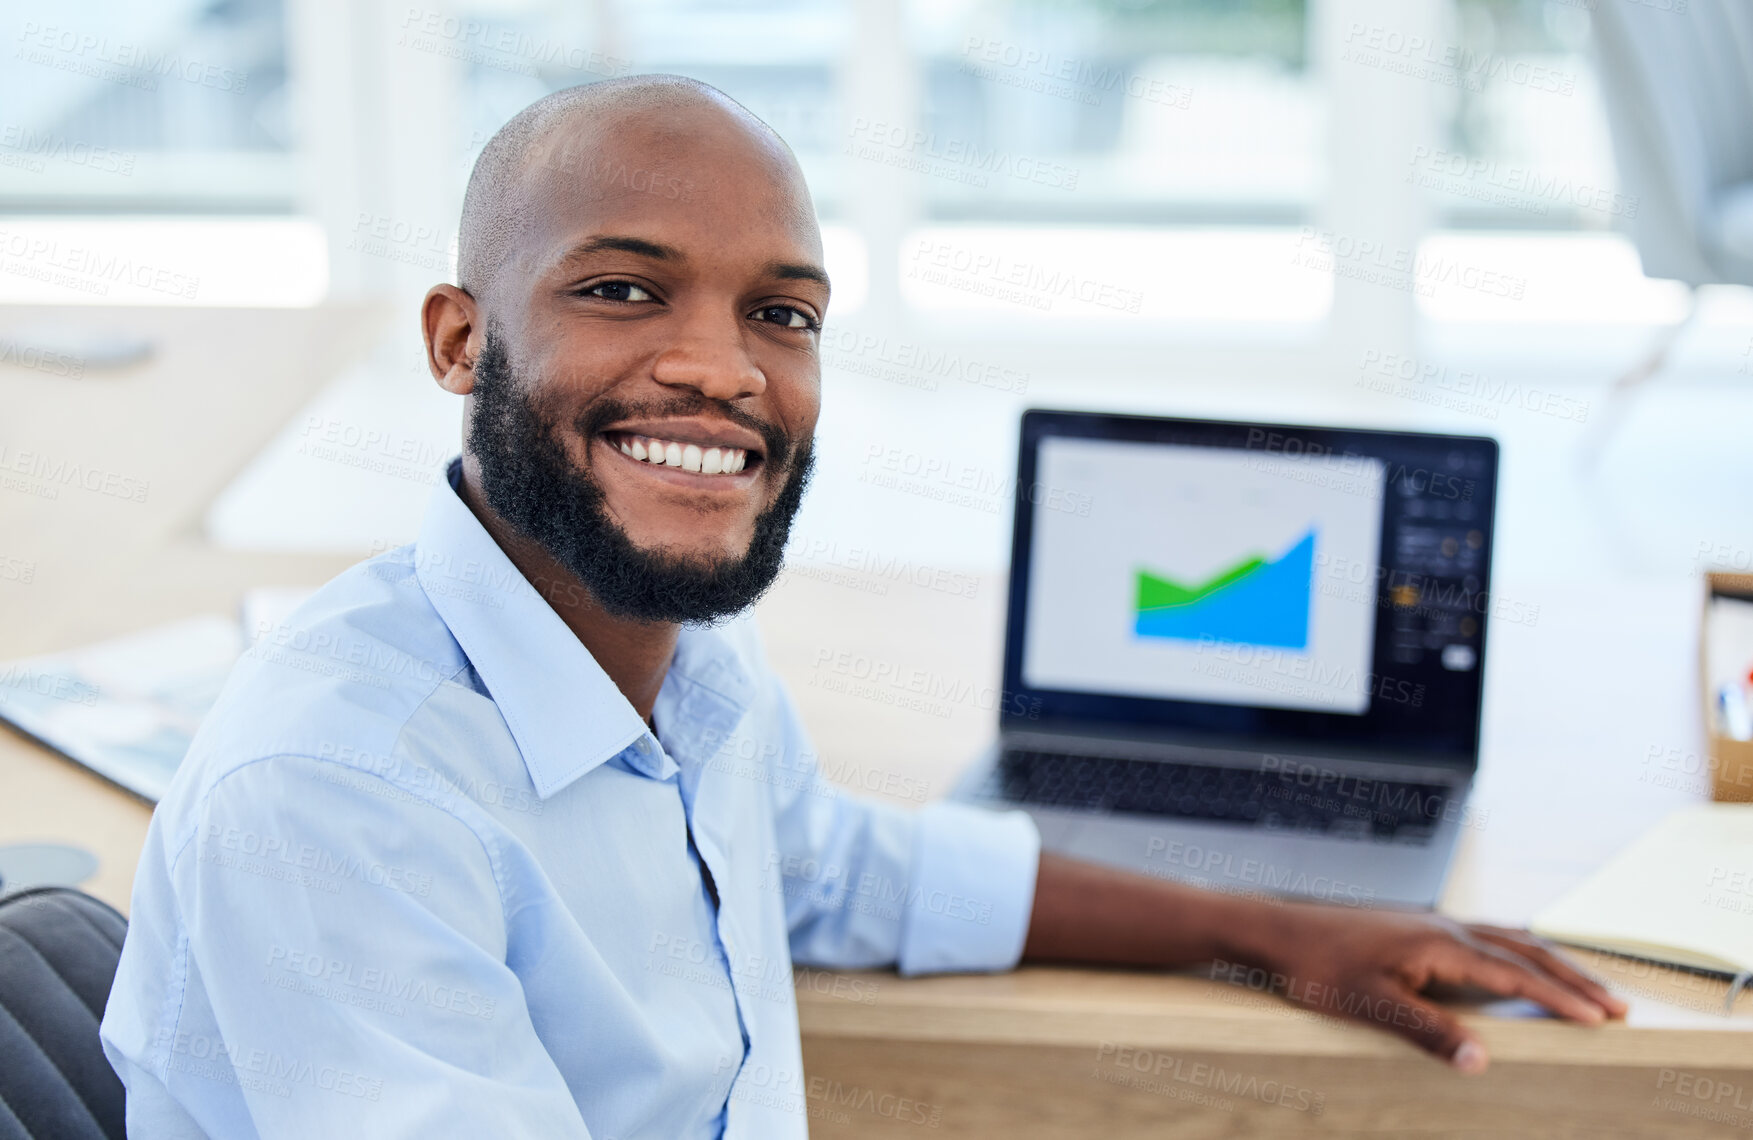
(1255, 600)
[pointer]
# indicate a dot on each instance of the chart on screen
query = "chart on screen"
(1254, 601)
(1202, 573)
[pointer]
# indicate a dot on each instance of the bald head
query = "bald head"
(613, 138)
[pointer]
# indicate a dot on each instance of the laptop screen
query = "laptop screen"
(1252, 584)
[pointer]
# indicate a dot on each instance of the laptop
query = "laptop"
(1246, 656)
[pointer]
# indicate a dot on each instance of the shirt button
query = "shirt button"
(644, 746)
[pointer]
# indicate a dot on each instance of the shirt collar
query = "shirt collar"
(704, 696)
(564, 712)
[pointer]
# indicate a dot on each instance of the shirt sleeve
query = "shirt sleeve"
(949, 887)
(335, 950)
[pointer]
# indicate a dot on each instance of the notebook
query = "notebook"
(1682, 894)
(128, 708)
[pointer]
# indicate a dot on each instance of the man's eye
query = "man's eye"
(618, 291)
(785, 316)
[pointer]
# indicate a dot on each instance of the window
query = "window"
(145, 108)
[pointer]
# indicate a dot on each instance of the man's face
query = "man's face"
(660, 315)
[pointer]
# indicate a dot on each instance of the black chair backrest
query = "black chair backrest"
(58, 953)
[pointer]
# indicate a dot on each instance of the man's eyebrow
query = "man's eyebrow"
(657, 251)
(798, 271)
(644, 248)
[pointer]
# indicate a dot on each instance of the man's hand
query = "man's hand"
(1376, 967)
(1373, 967)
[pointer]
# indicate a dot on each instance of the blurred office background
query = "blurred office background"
(1393, 212)
(1198, 168)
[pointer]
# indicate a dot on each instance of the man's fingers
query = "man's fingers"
(1554, 963)
(1434, 1030)
(1484, 964)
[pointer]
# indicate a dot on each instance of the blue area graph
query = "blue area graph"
(1254, 602)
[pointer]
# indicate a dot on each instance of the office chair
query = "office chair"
(58, 954)
(1678, 86)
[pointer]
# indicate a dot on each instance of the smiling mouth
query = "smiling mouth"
(683, 455)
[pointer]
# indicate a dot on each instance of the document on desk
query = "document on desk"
(127, 709)
(1683, 894)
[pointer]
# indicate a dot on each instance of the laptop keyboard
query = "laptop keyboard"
(1344, 807)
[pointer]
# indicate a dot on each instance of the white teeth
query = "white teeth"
(687, 456)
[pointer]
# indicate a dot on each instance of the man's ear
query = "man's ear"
(450, 322)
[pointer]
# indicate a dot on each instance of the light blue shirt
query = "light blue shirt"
(426, 872)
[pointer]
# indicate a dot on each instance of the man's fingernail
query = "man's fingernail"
(1470, 1058)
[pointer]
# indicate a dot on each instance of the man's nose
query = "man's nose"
(711, 356)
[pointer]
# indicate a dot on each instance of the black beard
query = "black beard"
(529, 482)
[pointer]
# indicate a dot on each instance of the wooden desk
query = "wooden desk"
(1591, 736)
(1049, 1053)
(1578, 758)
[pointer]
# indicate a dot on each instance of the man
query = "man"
(500, 837)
